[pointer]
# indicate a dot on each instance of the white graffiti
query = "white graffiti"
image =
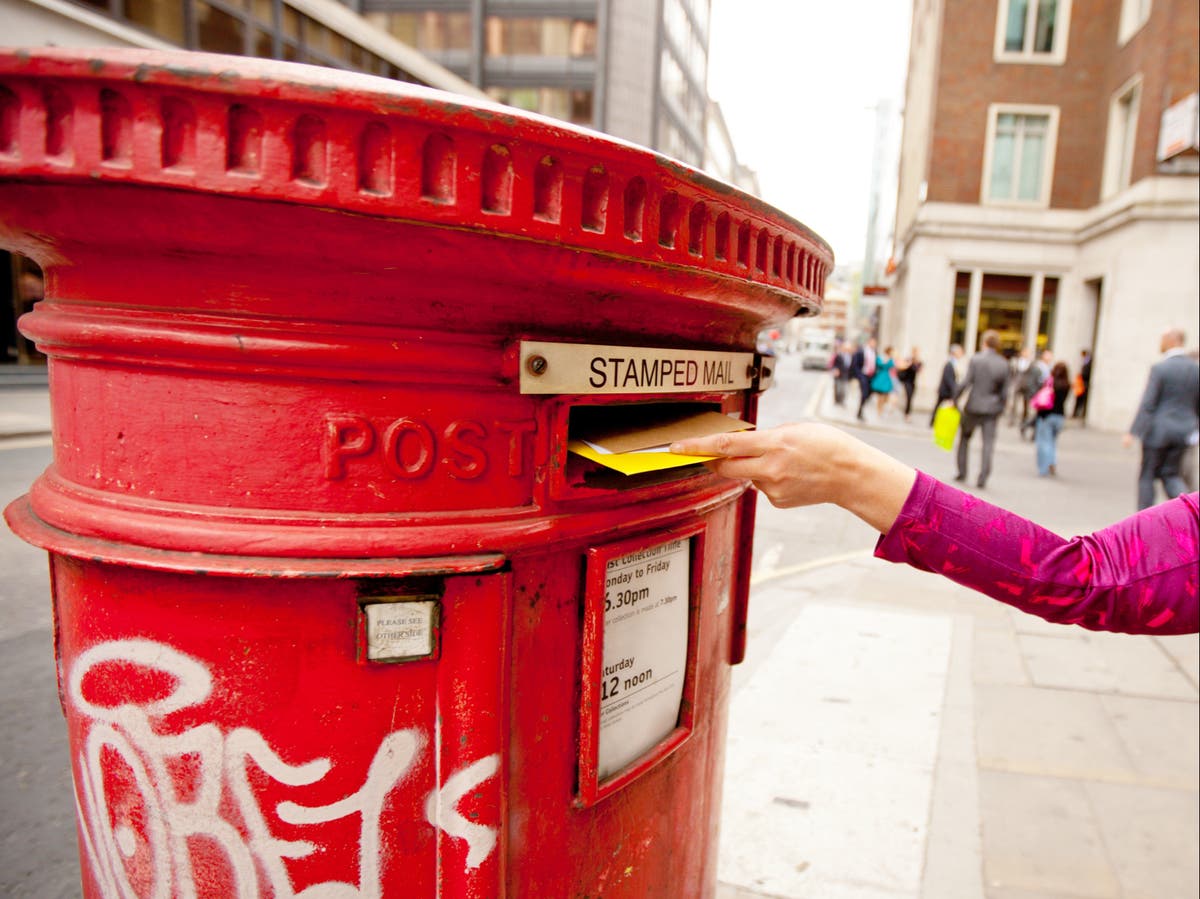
(155, 825)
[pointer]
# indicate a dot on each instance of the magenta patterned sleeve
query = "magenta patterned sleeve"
(1138, 576)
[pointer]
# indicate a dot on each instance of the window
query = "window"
(1003, 304)
(1032, 31)
(958, 315)
(219, 31)
(548, 36)
(1122, 135)
(430, 32)
(1134, 14)
(1019, 157)
(559, 102)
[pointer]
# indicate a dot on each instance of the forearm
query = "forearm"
(872, 485)
(1097, 581)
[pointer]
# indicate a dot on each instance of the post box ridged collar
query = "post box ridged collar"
(326, 138)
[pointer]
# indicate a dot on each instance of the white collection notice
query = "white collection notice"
(645, 651)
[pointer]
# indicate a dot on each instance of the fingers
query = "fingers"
(739, 443)
(742, 468)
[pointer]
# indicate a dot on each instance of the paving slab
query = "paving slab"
(953, 851)
(997, 655)
(1150, 861)
(1109, 663)
(24, 412)
(1141, 666)
(1185, 652)
(1027, 894)
(1063, 733)
(1161, 739)
(828, 783)
(1040, 834)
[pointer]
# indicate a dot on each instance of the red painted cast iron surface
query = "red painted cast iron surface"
(282, 313)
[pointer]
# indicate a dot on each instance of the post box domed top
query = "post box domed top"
(323, 139)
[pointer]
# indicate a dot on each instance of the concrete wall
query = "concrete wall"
(36, 23)
(919, 95)
(632, 70)
(1151, 282)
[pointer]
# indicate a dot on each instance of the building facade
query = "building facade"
(1048, 185)
(633, 69)
(720, 155)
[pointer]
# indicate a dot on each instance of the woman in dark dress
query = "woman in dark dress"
(906, 374)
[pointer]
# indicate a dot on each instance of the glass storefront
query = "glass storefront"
(1003, 307)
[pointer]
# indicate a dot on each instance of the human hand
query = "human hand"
(806, 464)
(1127, 440)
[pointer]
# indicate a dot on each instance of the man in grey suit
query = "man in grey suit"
(987, 381)
(1167, 418)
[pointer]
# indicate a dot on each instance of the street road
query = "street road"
(38, 855)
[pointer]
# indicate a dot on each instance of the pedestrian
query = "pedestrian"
(1083, 382)
(1167, 417)
(1189, 468)
(881, 382)
(1139, 576)
(948, 386)
(840, 365)
(984, 384)
(906, 374)
(1035, 377)
(862, 364)
(1051, 418)
(1019, 398)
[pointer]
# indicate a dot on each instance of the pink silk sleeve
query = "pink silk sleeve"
(1138, 576)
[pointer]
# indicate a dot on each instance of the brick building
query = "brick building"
(1048, 184)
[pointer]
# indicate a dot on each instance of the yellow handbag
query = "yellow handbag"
(945, 426)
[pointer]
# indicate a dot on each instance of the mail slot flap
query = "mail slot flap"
(602, 424)
(584, 368)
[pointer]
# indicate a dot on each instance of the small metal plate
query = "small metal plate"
(581, 368)
(401, 630)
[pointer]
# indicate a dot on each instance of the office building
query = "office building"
(633, 69)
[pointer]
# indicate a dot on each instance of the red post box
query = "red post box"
(337, 613)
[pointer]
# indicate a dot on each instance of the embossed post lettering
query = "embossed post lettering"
(345, 436)
(410, 449)
(467, 459)
(410, 432)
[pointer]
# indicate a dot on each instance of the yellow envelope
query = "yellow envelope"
(641, 446)
(634, 463)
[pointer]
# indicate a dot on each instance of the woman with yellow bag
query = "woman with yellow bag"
(947, 387)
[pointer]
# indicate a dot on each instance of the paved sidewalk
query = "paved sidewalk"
(24, 402)
(895, 735)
